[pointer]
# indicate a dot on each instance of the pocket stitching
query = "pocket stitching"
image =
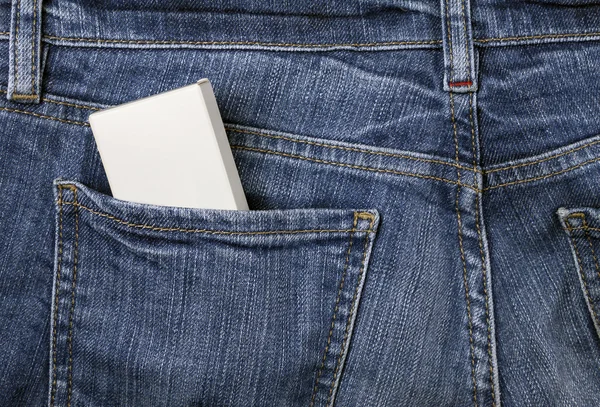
(337, 301)
(352, 309)
(76, 204)
(580, 263)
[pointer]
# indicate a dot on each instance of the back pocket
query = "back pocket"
(159, 305)
(583, 227)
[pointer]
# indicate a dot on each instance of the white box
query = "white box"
(169, 149)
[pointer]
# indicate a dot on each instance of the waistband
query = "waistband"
(304, 25)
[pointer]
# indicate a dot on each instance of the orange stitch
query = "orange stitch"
(583, 279)
(353, 308)
(4, 33)
(74, 284)
(56, 296)
(410, 174)
(356, 149)
(544, 159)
(207, 231)
(260, 43)
(541, 36)
(543, 176)
(335, 310)
(45, 117)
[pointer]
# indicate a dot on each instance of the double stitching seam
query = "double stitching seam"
(56, 296)
(484, 172)
(33, 35)
(206, 231)
(573, 150)
(260, 43)
(355, 149)
(353, 308)
(16, 45)
(582, 274)
(337, 302)
(309, 45)
(459, 221)
(527, 180)
(360, 167)
(536, 37)
(73, 287)
(483, 263)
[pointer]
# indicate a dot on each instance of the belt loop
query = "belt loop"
(460, 74)
(25, 48)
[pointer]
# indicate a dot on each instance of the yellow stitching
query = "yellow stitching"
(544, 159)
(583, 278)
(4, 33)
(585, 228)
(23, 96)
(73, 286)
(462, 255)
(542, 36)
(356, 149)
(33, 47)
(58, 102)
(543, 176)
(56, 296)
(353, 308)
(268, 44)
(353, 166)
(337, 305)
(207, 231)
(46, 117)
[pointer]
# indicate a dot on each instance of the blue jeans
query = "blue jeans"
(423, 185)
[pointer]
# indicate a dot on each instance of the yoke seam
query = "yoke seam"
(458, 166)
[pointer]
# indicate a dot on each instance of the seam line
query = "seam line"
(206, 231)
(311, 45)
(268, 44)
(570, 151)
(337, 301)
(355, 149)
(353, 308)
(16, 45)
(527, 180)
(583, 278)
(382, 170)
(73, 287)
(56, 296)
(33, 34)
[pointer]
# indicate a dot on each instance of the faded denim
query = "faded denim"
(425, 206)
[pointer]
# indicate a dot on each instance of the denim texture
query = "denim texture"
(425, 212)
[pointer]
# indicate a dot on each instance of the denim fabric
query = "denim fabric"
(425, 212)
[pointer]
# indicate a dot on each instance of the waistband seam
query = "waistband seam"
(482, 42)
